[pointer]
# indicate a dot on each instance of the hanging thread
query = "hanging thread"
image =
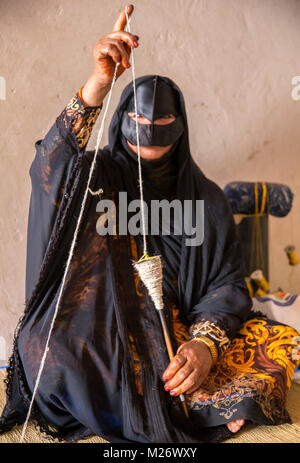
(150, 268)
(94, 193)
(140, 180)
(256, 241)
(258, 285)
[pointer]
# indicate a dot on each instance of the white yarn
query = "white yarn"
(138, 143)
(97, 192)
(150, 271)
(149, 268)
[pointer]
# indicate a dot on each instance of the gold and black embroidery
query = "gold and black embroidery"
(80, 119)
(211, 330)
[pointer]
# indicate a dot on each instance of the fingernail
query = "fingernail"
(135, 43)
(128, 65)
(173, 392)
(167, 388)
(165, 378)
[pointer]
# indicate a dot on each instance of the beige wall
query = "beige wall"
(234, 61)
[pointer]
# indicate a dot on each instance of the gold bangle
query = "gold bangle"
(211, 345)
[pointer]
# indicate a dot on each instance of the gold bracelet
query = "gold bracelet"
(211, 345)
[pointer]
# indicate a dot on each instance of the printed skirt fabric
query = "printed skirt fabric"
(253, 373)
(251, 378)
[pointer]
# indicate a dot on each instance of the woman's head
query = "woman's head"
(159, 118)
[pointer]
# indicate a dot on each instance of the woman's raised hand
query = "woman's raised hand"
(114, 48)
(110, 49)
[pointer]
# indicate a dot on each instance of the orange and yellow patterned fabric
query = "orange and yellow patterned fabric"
(252, 376)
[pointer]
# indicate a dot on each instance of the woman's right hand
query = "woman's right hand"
(109, 50)
(114, 48)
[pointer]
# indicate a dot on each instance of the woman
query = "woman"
(107, 371)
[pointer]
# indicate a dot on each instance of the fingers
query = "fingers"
(117, 45)
(127, 37)
(179, 377)
(177, 362)
(116, 50)
(190, 384)
(121, 21)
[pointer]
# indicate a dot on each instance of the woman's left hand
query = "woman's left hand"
(188, 369)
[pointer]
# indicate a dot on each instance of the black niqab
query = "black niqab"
(155, 98)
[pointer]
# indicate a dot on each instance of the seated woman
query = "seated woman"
(107, 371)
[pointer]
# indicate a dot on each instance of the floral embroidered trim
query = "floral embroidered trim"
(212, 331)
(80, 119)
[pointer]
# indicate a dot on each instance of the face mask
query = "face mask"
(152, 134)
(154, 99)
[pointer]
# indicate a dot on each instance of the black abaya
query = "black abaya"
(92, 381)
